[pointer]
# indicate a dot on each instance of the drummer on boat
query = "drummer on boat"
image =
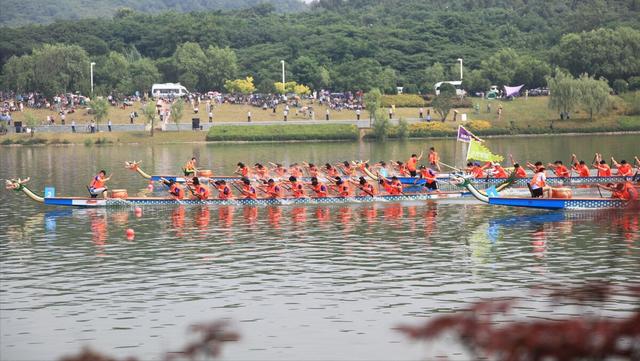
(539, 184)
(98, 185)
(189, 167)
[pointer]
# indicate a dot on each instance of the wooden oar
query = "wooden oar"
(448, 166)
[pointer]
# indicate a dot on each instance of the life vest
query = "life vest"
(396, 188)
(201, 192)
(98, 182)
(604, 170)
(387, 187)
(176, 191)
(274, 191)
(562, 171)
(477, 172)
(344, 190)
(433, 158)
(521, 173)
(313, 171)
(332, 172)
(583, 170)
(402, 169)
(224, 192)
(280, 172)
(428, 175)
(320, 190)
(249, 192)
(244, 171)
(499, 172)
(625, 170)
(538, 180)
(297, 190)
(368, 190)
(411, 164)
(263, 173)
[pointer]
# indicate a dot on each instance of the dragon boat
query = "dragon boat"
(121, 199)
(566, 202)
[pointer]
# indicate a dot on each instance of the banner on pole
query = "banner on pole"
(466, 136)
(478, 151)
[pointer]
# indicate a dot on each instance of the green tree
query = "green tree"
(474, 81)
(531, 72)
(191, 64)
(307, 71)
(143, 75)
(100, 108)
(177, 109)
(594, 94)
(113, 74)
(222, 65)
(381, 124)
(18, 73)
(433, 75)
(620, 86)
(373, 101)
(150, 112)
(564, 92)
(500, 68)
(443, 102)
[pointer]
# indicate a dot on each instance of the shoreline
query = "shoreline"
(99, 139)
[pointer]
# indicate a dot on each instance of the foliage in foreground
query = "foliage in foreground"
(283, 132)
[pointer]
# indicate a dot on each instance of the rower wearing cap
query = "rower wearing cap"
(624, 168)
(539, 183)
(318, 188)
(248, 191)
(496, 170)
(412, 164)
(200, 191)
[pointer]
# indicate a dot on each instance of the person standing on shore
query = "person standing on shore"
(109, 125)
(73, 126)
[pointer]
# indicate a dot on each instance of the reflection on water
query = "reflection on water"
(322, 281)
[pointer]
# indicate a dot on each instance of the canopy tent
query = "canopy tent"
(510, 91)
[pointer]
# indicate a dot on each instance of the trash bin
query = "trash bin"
(18, 126)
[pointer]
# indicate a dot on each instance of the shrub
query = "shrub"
(462, 103)
(283, 132)
(433, 129)
(629, 123)
(403, 101)
(620, 86)
(479, 125)
(381, 125)
(88, 142)
(632, 103)
(634, 83)
(403, 128)
(7, 142)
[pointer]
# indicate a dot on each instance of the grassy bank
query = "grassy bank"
(283, 132)
(103, 138)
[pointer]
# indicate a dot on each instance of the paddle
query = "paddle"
(448, 166)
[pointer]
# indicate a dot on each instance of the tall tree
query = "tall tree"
(191, 64)
(433, 75)
(222, 65)
(143, 74)
(564, 92)
(594, 94)
(100, 108)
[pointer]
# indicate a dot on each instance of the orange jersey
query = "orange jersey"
(224, 192)
(583, 170)
(561, 171)
(320, 190)
(274, 191)
(538, 180)
(433, 158)
(249, 192)
(499, 172)
(625, 170)
(297, 190)
(604, 170)
(368, 190)
(476, 172)
(428, 175)
(629, 192)
(97, 182)
(521, 173)
(176, 191)
(344, 190)
(201, 192)
(412, 163)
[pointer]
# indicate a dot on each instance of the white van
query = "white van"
(168, 89)
(456, 84)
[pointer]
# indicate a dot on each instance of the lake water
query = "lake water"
(298, 282)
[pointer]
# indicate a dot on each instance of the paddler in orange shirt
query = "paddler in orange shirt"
(297, 189)
(318, 188)
(174, 189)
(273, 190)
(625, 191)
(279, 170)
(97, 185)
(247, 190)
(434, 159)
(412, 164)
(559, 169)
(601, 165)
(429, 176)
(475, 170)
(261, 171)
(580, 167)
(520, 172)
(624, 168)
(200, 192)
(366, 188)
(243, 170)
(331, 171)
(392, 187)
(224, 191)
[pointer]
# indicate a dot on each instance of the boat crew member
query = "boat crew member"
(224, 191)
(396, 185)
(624, 168)
(331, 171)
(383, 169)
(200, 191)
(97, 185)
(429, 176)
(539, 183)
(248, 191)
(318, 188)
(243, 170)
(582, 169)
(559, 169)
(313, 170)
(261, 171)
(475, 170)
(189, 168)
(434, 159)
(402, 169)
(348, 170)
(412, 164)
(297, 190)
(343, 188)
(279, 170)
(295, 171)
(601, 165)
(366, 188)
(384, 182)
(624, 190)
(496, 170)
(520, 172)
(175, 190)
(273, 190)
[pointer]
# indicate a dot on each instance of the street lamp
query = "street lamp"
(92, 64)
(460, 60)
(284, 88)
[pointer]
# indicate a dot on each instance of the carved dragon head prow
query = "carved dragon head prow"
(15, 184)
(133, 165)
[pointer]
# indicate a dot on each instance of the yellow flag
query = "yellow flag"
(479, 151)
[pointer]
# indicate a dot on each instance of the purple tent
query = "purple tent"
(511, 91)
